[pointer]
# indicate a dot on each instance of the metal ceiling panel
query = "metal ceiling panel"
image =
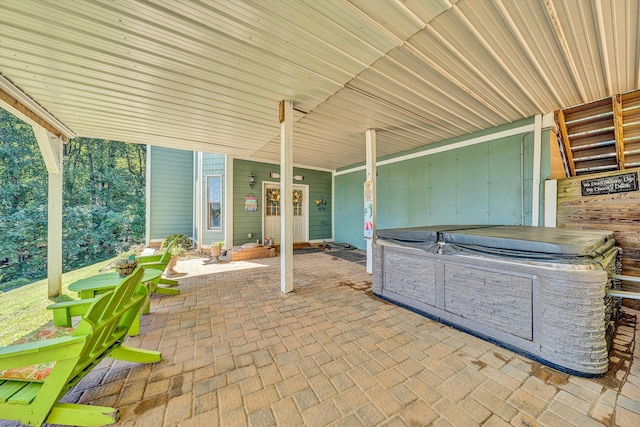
(208, 75)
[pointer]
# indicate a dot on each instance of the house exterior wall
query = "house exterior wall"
(245, 222)
(483, 183)
(170, 188)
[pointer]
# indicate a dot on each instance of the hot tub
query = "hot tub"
(537, 291)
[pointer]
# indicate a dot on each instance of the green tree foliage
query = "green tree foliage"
(103, 206)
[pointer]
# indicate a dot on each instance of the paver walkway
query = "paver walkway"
(239, 352)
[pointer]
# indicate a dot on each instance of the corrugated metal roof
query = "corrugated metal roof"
(208, 75)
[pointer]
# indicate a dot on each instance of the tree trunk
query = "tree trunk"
(92, 179)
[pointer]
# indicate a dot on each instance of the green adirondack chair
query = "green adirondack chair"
(163, 286)
(37, 372)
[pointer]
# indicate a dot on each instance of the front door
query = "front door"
(271, 212)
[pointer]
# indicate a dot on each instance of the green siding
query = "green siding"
(319, 183)
(212, 164)
(171, 192)
(244, 222)
(478, 184)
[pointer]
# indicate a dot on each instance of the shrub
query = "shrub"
(183, 241)
(15, 283)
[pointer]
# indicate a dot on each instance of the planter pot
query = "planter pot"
(215, 251)
(172, 263)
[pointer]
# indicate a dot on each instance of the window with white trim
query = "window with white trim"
(214, 202)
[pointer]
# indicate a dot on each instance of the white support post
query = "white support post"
(286, 198)
(198, 217)
(537, 154)
(333, 206)
(147, 215)
(550, 202)
(51, 148)
(371, 176)
(227, 221)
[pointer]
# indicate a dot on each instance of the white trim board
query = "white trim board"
(273, 162)
(448, 147)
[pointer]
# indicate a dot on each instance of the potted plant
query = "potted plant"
(126, 262)
(216, 249)
(182, 245)
(176, 251)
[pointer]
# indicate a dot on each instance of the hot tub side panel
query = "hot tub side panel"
(490, 297)
(573, 323)
(556, 316)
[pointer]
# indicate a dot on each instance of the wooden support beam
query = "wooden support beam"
(566, 144)
(23, 111)
(617, 128)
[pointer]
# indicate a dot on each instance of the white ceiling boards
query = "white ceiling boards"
(208, 75)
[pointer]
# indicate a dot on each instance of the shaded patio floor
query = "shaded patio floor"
(237, 351)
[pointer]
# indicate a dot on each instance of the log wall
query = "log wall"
(619, 212)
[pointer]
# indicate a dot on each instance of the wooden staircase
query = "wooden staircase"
(601, 136)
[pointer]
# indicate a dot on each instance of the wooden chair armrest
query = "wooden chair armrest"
(155, 266)
(143, 259)
(17, 355)
(64, 311)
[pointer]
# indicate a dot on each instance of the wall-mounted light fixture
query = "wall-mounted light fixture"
(276, 175)
(252, 180)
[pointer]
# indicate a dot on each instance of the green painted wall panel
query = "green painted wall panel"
(478, 184)
(398, 197)
(383, 214)
(171, 192)
(442, 203)
(419, 190)
(505, 189)
(508, 126)
(472, 185)
(349, 208)
(244, 222)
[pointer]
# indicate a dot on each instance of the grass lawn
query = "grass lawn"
(24, 309)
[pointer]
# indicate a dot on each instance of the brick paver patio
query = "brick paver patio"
(238, 352)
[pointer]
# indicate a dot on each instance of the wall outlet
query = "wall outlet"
(250, 235)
